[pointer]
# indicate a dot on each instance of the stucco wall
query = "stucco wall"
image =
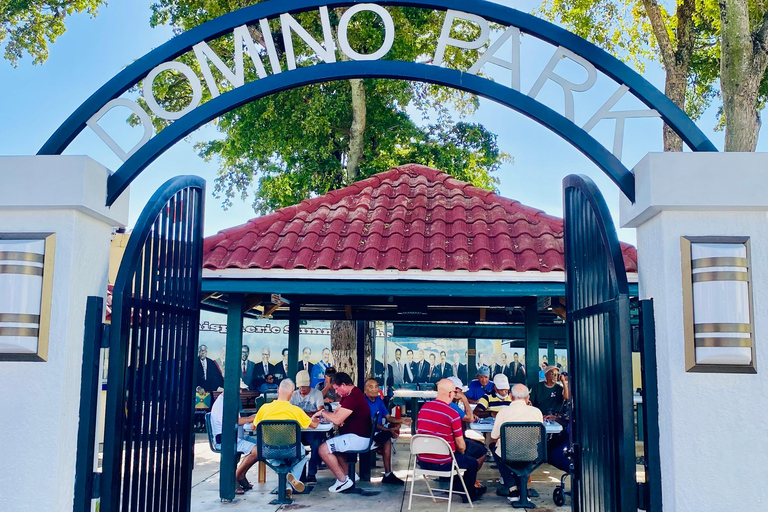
(712, 426)
(40, 400)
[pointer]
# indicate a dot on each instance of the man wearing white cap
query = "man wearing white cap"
(310, 401)
(493, 401)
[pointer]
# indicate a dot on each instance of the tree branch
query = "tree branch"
(653, 12)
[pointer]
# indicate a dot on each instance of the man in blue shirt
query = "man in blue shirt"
(385, 434)
(481, 386)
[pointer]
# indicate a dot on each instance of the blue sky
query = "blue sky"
(36, 99)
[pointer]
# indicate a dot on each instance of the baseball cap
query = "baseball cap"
(484, 370)
(500, 381)
(457, 383)
(551, 368)
(302, 378)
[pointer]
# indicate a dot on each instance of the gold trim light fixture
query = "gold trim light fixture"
(26, 282)
(717, 305)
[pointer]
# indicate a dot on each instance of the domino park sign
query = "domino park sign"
(498, 41)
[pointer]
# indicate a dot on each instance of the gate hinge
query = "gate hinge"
(105, 335)
(642, 495)
(96, 487)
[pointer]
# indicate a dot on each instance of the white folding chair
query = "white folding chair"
(426, 444)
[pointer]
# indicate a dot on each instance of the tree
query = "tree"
(704, 40)
(29, 25)
(317, 138)
(685, 42)
(743, 70)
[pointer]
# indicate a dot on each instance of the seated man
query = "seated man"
(326, 387)
(549, 396)
(480, 386)
(282, 409)
(353, 416)
(490, 404)
(438, 418)
(518, 410)
(475, 449)
(383, 438)
(247, 448)
(310, 401)
(269, 386)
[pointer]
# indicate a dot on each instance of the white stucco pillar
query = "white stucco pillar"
(39, 401)
(712, 425)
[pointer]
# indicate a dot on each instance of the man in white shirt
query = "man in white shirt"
(247, 448)
(310, 401)
(519, 410)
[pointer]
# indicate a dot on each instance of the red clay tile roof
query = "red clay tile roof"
(410, 217)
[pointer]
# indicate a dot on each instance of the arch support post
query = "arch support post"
(702, 237)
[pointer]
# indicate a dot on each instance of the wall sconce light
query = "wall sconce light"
(26, 281)
(717, 305)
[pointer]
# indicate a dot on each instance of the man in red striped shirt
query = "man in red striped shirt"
(439, 419)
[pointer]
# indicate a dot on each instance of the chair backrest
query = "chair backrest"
(373, 430)
(279, 439)
(429, 445)
(208, 429)
(523, 442)
(427, 386)
(406, 385)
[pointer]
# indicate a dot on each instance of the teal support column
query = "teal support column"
(294, 317)
(232, 375)
(551, 352)
(532, 343)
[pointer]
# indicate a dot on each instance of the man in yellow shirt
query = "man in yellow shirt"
(282, 409)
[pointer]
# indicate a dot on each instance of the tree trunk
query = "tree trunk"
(344, 347)
(739, 78)
(674, 87)
(357, 129)
(370, 334)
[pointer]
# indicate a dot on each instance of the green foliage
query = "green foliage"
(294, 144)
(29, 25)
(622, 28)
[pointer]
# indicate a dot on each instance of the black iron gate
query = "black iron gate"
(597, 297)
(148, 444)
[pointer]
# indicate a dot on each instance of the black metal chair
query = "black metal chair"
(279, 446)
(523, 449)
(365, 462)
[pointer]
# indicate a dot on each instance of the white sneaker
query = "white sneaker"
(341, 486)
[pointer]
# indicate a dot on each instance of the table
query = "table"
(485, 425)
(415, 395)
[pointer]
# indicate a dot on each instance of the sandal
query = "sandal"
(239, 490)
(245, 484)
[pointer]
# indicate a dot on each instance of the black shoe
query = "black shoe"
(474, 495)
(392, 479)
(310, 479)
(481, 488)
(502, 491)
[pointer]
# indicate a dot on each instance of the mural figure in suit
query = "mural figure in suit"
(517, 372)
(459, 369)
(262, 369)
(445, 369)
(247, 368)
(304, 363)
(281, 368)
(409, 376)
(318, 369)
(207, 375)
(434, 373)
(378, 374)
(420, 368)
(398, 369)
(503, 367)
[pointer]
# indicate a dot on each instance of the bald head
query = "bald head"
(285, 390)
(444, 389)
(519, 392)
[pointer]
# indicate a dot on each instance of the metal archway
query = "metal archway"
(545, 31)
